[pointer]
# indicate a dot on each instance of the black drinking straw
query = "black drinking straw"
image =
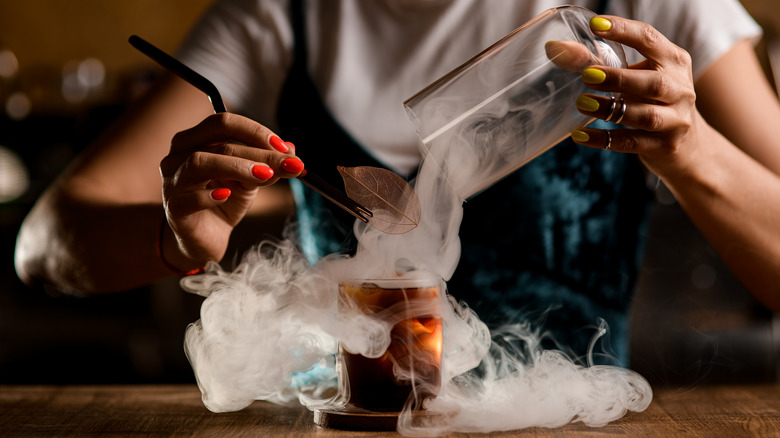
(201, 83)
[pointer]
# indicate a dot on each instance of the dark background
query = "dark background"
(692, 322)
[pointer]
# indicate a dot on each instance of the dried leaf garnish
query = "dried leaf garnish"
(393, 202)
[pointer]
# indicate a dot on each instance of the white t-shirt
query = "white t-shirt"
(367, 56)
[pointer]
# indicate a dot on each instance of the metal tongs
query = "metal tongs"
(175, 66)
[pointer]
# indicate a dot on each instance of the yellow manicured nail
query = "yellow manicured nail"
(593, 76)
(600, 24)
(580, 136)
(588, 104)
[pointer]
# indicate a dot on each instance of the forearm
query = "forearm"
(86, 248)
(735, 202)
(95, 229)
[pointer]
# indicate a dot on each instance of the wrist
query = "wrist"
(700, 169)
(686, 154)
(171, 256)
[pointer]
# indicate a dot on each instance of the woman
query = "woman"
(565, 231)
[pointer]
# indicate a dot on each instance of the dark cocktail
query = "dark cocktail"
(410, 368)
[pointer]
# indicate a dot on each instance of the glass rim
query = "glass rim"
(457, 70)
(409, 282)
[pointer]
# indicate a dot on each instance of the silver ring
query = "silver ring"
(612, 108)
(609, 140)
(621, 111)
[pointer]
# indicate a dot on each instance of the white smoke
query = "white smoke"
(518, 385)
(270, 330)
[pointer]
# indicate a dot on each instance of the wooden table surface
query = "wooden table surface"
(177, 411)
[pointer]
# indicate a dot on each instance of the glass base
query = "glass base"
(357, 419)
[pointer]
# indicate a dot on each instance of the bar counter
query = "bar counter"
(177, 411)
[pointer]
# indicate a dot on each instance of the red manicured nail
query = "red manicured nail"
(262, 172)
(292, 165)
(290, 145)
(220, 194)
(278, 144)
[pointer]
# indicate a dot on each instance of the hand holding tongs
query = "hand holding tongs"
(174, 65)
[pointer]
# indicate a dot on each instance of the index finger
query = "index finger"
(223, 128)
(642, 37)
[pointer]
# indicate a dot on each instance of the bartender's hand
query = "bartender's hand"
(210, 179)
(659, 98)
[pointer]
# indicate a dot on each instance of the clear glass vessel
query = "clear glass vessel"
(513, 101)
